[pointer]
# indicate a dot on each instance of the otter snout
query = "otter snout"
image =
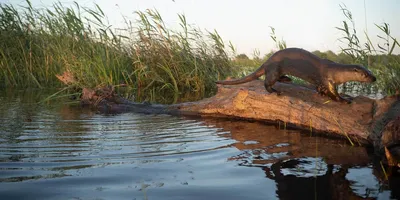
(367, 75)
(373, 78)
(370, 76)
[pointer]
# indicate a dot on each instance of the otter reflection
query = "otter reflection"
(278, 151)
(331, 185)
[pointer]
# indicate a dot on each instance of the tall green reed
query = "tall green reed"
(185, 60)
(151, 58)
(36, 44)
(378, 58)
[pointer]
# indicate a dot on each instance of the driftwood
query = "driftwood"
(363, 122)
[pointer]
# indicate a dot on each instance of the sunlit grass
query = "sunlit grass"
(378, 58)
(36, 44)
(156, 62)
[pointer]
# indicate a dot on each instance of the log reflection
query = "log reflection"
(278, 151)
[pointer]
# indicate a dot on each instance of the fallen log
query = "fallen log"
(363, 122)
(298, 106)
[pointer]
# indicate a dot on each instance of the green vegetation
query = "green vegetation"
(156, 63)
(378, 58)
(36, 44)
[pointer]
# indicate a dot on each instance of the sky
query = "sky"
(307, 24)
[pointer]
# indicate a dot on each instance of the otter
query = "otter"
(323, 73)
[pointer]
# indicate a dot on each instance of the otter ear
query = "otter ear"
(355, 69)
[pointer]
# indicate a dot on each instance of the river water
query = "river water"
(61, 151)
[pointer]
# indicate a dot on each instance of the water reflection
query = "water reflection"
(60, 151)
(306, 167)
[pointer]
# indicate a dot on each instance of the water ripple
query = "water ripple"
(49, 144)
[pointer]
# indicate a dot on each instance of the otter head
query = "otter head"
(361, 74)
(344, 73)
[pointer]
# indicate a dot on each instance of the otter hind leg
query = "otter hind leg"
(270, 89)
(322, 90)
(270, 79)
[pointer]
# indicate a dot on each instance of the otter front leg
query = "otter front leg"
(322, 90)
(270, 80)
(333, 94)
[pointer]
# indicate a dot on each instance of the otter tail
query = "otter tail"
(253, 76)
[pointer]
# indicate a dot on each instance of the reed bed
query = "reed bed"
(155, 62)
(149, 57)
(379, 58)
